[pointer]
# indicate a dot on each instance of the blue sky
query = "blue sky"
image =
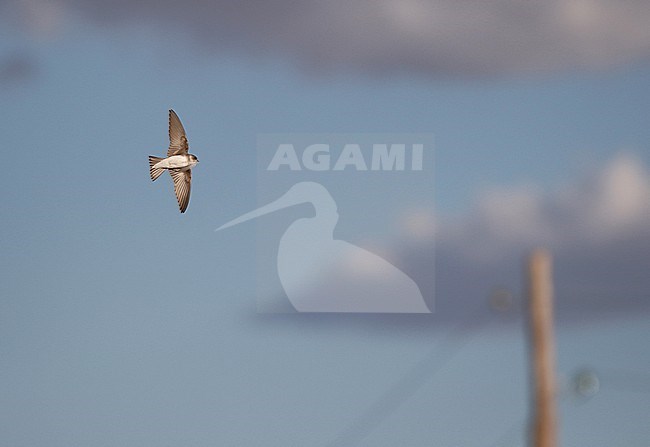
(106, 338)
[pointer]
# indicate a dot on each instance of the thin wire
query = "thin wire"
(619, 380)
(414, 379)
(613, 380)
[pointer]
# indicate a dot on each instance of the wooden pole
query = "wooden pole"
(544, 424)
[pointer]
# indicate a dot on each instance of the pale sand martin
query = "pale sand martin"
(178, 162)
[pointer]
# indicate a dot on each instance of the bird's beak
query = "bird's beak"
(283, 202)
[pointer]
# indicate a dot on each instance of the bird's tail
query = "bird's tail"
(155, 172)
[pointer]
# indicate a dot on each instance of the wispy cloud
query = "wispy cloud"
(429, 37)
(40, 19)
(607, 206)
(16, 67)
(598, 229)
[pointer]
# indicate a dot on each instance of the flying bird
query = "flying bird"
(178, 163)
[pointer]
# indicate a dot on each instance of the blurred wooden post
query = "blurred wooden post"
(540, 291)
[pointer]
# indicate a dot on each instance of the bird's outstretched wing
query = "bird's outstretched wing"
(177, 138)
(182, 184)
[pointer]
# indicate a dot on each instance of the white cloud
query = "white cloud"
(620, 198)
(597, 228)
(611, 204)
(430, 37)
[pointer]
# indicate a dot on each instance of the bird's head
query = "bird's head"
(193, 158)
